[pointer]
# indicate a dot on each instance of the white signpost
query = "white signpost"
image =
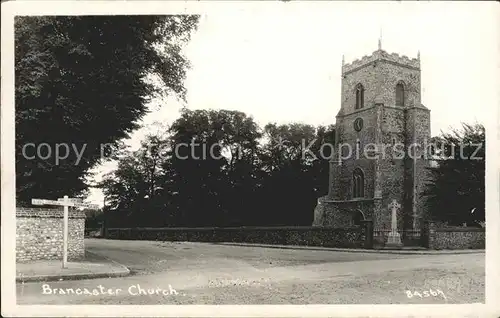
(74, 200)
(65, 202)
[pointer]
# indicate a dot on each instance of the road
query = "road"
(204, 273)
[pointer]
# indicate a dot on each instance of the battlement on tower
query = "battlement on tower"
(381, 55)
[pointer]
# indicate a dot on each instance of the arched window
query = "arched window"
(358, 184)
(360, 96)
(400, 94)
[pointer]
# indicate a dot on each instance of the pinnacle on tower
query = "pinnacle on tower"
(380, 40)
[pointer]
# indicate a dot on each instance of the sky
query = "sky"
(282, 62)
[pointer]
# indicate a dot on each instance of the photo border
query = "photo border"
(8, 219)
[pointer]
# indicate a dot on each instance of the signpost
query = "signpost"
(65, 202)
(74, 200)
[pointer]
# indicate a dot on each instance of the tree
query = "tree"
(323, 151)
(220, 169)
(296, 172)
(82, 83)
(455, 191)
(134, 188)
(211, 167)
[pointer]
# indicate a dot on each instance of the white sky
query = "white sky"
(282, 62)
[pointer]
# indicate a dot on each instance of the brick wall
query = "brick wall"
(39, 234)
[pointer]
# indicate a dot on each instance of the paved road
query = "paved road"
(203, 273)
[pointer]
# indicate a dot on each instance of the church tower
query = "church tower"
(380, 123)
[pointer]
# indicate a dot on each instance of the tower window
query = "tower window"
(358, 182)
(400, 94)
(360, 96)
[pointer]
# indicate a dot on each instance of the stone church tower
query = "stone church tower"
(381, 116)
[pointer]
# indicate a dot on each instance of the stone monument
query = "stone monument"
(394, 239)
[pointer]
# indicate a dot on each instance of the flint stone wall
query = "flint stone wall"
(456, 238)
(39, 234)
(354, 237)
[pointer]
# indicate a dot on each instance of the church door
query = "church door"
(357, 217)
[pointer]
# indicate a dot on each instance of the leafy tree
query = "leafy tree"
(323, 151)
(93, 218)
(135, 187)
(84, 81)
(211, 166)
(296, 170)
(220, 169)
(456, 187)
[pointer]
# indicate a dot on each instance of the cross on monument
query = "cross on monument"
(65, 202)
(394, 238)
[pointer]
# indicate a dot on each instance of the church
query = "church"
(380, 132)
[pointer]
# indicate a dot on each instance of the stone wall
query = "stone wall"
(379, 76)
(456, 238)
(39, 234)
(354, 157)
(418, 132)
(340, 214)
(326, 236)
(354, 237)
(389, 75)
